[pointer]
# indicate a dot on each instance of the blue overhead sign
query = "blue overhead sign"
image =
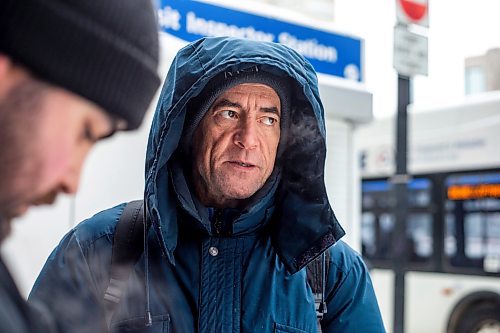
(329, 53)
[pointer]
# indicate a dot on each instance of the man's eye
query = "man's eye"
(228, 114)
(269, 121)
(87, 134)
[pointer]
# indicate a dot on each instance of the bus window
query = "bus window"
(419, 232)
(377, 227)
(419, 194)
(493, 235)
(368, 234)
(472, 221)
(368, 201)
(450, 238)
(474, 235)
(384, 242)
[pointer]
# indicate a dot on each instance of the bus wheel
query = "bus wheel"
(482, 318)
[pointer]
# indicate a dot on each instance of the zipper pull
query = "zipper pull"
(218, 221)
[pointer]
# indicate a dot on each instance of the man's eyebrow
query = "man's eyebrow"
(271, 109)
(115, 126)
(226, 103)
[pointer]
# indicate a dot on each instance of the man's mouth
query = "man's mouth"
(243, 164)
(47, 199)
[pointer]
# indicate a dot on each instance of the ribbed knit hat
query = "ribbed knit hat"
(103, 50)
(198, 106)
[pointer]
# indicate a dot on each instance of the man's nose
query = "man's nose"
(246, 136)
(70, 181)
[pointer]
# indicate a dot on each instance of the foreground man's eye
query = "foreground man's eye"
(88, 134)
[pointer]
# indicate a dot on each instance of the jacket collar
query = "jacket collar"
(228, 221)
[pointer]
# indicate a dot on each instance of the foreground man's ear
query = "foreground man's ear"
(5, 64)
(10, 74)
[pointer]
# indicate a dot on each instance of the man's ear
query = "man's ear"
(5, 64)
(10, 74)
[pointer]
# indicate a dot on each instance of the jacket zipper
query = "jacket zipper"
(218, 221)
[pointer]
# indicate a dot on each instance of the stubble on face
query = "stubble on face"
(46, 133)
(18, 117)
(4, 228)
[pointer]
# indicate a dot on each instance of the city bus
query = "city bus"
(452, 237)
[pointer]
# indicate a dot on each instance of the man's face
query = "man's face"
(46, 133)
(235, 145)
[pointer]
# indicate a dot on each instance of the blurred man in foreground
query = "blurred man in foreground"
(71, 74)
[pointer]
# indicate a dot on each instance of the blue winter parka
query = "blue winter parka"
(191, 277)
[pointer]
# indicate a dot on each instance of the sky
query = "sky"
(458, 29)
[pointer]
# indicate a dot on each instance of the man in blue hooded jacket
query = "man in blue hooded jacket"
(237, 208)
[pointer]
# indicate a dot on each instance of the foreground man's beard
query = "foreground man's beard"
(4, 228)
(47, 199)
(5, 222)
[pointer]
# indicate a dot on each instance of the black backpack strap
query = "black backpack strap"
(128, 246)
(317, 275)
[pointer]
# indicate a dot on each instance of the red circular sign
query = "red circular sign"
(414, 9)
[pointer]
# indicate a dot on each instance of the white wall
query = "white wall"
(341, 178)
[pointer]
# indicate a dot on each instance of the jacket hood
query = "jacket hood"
(303, 224)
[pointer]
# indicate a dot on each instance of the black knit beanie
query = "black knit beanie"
(198, 106)
(103, 50)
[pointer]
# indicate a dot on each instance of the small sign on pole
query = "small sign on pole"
(410, 52)
(413, 12)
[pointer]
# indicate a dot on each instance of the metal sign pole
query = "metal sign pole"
(400, 181)
(410, 58)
